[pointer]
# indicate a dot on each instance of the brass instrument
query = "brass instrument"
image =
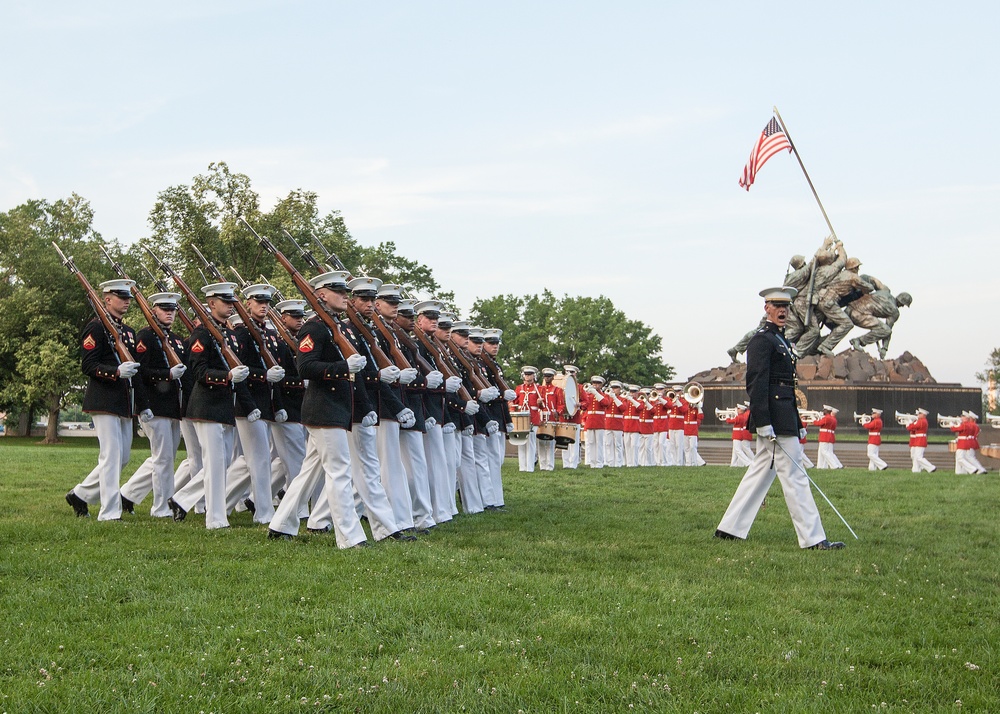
(808, 416)
(948, 422)
(725, 414)
(862, 419)
(694, 393)
(994, 420)
(671, 395)
(905, 419)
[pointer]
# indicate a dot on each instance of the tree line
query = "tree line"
(43, 310)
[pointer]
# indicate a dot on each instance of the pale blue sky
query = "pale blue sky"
(595, 145)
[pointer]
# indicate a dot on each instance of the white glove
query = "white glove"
(492, 427)
(370, 419)
(389, 374)
(145, 415)
(510, 395)
(253, 416)
(453, 384)
(356, 363)
(435, 379)
(275, 374)
(406, 418)
(407, 375)
(281, 416)
(126, 370)
(447, 428)
(471, 408)
(510, 428)
(238, 374)
(589, 388)
(616, 400)
(802, 433)
(468, 430)
(177, 371)
(430, 421)
(766, 431)
(635, 402)
(305, 383)
(488, 394)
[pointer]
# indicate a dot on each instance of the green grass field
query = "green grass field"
(596, 591)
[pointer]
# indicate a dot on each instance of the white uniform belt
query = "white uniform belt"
(827, 431)
(916, 434)
(874, 433)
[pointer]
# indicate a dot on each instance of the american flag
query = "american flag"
(771, 141)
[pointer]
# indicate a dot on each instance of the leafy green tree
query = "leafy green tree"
(43, 309)
(589, 332)
(991, 378)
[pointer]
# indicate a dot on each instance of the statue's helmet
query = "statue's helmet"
(797, 261)
(904, 300)
(852, 264)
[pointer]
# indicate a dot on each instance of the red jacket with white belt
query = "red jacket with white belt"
(827, 428)
(739, 422)
(528, 401)
(593, 406)
(874, 428)
(692, 418)
(918, 431)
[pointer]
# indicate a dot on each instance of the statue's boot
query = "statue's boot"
(732, 354)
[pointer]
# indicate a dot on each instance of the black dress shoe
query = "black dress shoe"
(78, 504)
(128, 506)
(399, 535)
(359, 546)
(250, 506)
(827, 545)
(281, 493)
(179, 513)
(324, 529)
(422, 531)
(278, 535)
(726, 536)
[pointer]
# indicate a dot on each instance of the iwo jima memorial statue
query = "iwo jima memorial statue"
(834, 297)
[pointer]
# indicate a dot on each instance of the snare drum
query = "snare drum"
(565, 434)
(547, 431)
(521, 421)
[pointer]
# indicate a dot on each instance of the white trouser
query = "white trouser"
(420, 475)
(975, 467)
(499, 443)
(805, 461)
(157, 472)
(453, 455)
(666, 455)
(571, 455)
(740, 457)
(646, 450)
(595, 448)
(677, 446)
(546, 449)
(394, 476)
(875, 462)
(256, 446)
(614, 448)
(631, 448)
(825, 458)
(481, 449)
(192, 447)
(468, 482)
(919, 462)
(691, 455)
(289, 440)
(368, 481)
(787, 453)
(526, 452)
(210, 483)
(114, 439)
(436, 458)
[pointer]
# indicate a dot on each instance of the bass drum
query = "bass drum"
(572, 395)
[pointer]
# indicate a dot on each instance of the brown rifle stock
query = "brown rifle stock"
(444, 365)
(98, 304)
(199, 310)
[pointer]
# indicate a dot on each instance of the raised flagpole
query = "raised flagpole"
(784, 127)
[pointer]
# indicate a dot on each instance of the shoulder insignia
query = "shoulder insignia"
(197, 347)
(141, 347)
(307, 344)
(89, 343)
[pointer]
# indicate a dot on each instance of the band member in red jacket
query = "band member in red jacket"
(593, 405)
(528, 399)
(552, 403)
(571, 454)
(918, 442)
(692, 418)
(742, 454)
(827, 425)
(675, 425)
(630, 424)
(968, 443)
(614, 425)
(874, 427)
(662, 455)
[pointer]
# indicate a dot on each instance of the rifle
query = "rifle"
(248, 322)
(343, 344)
(441, 361)
(181, 313)
(381, 360)
(98, 304)
(494, 368)
(478, 381)
(274, 315)
(207, 321)
(172, 359)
